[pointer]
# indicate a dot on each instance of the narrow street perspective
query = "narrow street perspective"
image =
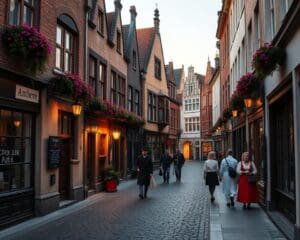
(100, 98)
(171, 211)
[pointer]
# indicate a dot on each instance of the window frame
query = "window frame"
(20, 18)
(100, 23)
(157, 68)
(72, 52)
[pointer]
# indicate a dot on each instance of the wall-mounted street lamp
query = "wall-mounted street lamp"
(17, 123)
(248, 102)
(116, 134)
(76, 108)
(234, 113)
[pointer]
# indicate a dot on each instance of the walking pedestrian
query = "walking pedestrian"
(247, 192)
(165, 163)
(211, 173)
(228, 179)
(178, 163)
(145, 171)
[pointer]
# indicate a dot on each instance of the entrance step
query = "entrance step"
(65, 203)
(91, 192)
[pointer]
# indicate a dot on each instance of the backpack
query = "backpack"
(231, 170)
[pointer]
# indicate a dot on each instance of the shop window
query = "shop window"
(15, 151)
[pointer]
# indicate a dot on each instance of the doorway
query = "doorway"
(64, 169)
(91, 161)
(187, 150)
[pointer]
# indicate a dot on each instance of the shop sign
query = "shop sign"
(27, 94)
(8, 156)
(54, 152)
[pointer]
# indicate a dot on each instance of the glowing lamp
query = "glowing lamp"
(248, 102)
(234, 113)
(116, 134)
(76, 107)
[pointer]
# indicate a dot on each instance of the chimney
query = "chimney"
(118, 5)
(156, 20)
(133, 13)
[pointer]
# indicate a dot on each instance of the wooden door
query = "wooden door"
(91, 161)
(64, 169)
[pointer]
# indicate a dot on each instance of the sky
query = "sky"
(188, 28)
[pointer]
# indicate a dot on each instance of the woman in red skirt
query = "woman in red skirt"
(247, 192)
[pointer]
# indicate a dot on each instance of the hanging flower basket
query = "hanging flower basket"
(72, 86)
(28, 43)
(110, 110)
(247, 86)
(226, 114)
(236, 102)
(266, 59)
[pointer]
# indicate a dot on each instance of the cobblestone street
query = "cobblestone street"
(172, 211)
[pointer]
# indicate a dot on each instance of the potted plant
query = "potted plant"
(247, 86)
(111, 179)
(27, 43)
(266, 59)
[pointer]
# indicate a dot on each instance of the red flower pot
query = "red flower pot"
(111, 185)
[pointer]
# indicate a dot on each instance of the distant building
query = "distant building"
(190, 116)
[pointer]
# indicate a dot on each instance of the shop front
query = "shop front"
(19, 106)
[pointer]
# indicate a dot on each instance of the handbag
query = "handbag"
(231, 170)
(252, 178)
(152, 182)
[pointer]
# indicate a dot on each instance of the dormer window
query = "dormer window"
(119, 41)
(157, 65)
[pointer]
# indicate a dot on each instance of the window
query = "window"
(113, 87)
(22, 12)
(157, 68)
(100, 22)
(137, 102)
(272, 15)
(121, 92)
(119, 41)
(65, 45)
(134, 60)
(152, 114)
(102, 81)
(16, 164)
(130, 102)
(92, 72)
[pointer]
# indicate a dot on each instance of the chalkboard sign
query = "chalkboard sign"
(54, 152)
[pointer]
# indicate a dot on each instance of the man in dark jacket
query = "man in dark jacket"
(145, 170)
(165, 163)
(178, 163)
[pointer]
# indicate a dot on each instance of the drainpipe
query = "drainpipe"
(88, 8)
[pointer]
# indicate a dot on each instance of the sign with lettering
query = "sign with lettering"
(54, 152)
(27, 94)
(9, 156)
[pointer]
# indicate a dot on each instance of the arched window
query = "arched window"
(66, 44)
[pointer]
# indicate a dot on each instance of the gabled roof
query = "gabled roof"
(145, 38)
(177, 75)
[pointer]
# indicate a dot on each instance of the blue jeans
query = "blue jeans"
(166, 174)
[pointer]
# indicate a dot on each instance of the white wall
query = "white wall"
(216, 100)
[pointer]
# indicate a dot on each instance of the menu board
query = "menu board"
(54, 152)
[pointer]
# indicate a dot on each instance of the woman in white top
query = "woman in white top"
(247, 192)
(211, 173)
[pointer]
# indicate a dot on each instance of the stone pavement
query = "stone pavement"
(172, 211)
(236, 223)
